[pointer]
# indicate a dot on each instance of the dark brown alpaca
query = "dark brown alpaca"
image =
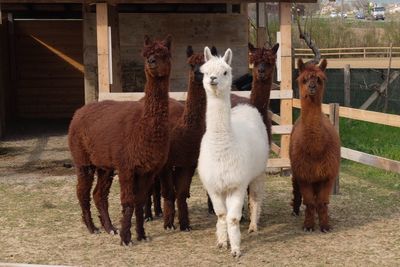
(263, 60)
(130, 137)
(314, 149)
(184, 151)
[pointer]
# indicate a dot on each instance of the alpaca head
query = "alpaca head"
(217, 72)
(157, 56)
(311, 80)
(263, 60)
(195, 61)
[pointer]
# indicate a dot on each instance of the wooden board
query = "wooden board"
(153, 1)
(49, 73)
(278, 163)
(371, 160)
(359, 114)
(181, 96)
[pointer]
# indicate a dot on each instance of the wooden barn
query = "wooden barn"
(55, 56)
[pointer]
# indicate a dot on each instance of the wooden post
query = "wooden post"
(2, 80)
(286, 72)
(116, 83)
(261, 25)
(334, 118)
(103, 63)
(347, 96)
(90, 82)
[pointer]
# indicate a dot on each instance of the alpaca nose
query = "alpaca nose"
(213, 78)
(151, 60)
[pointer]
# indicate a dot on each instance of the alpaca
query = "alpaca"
(185, 137)
(263, 60)
(130, 137)
(314, 149)
(233, 153)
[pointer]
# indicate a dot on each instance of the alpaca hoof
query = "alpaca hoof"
(113, 232)
(308, 229)
(94, 230)
(211, 212)
(236, 253)
(186, 228)
(126, 244)
(252, 228)
(223, 245)
(296, 213)
(325, 228)
(144, 239)
(148, 219)
(169, 227)
(159, 214)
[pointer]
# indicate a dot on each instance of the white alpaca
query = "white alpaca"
(233, 154)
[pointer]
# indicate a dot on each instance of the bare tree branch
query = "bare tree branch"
(307, 39)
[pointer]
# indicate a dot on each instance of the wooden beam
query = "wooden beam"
(361, 115)
(261, 25)
(150, 1)
(382, 87)
(181, 96)
(116, 83)
(278, 163)
(102, 47)
(282, 129)
(371, 160)
(286, 72)
(91, 94)
(347, 88)
(334, 118)
(275, 148)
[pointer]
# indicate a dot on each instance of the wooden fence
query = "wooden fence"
(368, 116)
(350, 52)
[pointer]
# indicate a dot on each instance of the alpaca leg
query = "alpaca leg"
(296, 202)
(182, 180)
(85, 181)
(307, 192)
(157, 197)
(100, 196)
(126, 180)
(142, 185)
(323, 195)
(148, 215)
(220, 210)
(256, 195)
(234, 204)
(210, 205)
(168, 194)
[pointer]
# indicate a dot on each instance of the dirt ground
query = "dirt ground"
(40, 221)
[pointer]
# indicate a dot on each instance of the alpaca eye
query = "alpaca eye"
(225, 73)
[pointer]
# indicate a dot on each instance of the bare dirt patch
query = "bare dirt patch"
(40, 221)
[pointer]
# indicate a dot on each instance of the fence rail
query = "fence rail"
(349, 52)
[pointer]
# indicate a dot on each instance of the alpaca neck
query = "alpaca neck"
(195, 106)
(260, 93)
(156, 97)
(311, 117)
(218, 115)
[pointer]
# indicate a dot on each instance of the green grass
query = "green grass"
(379, 140)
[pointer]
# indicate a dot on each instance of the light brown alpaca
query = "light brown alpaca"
(314, 149)
(130, 137)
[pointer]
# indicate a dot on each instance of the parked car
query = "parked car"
(360, 15)
(378, 13)
(333, 15)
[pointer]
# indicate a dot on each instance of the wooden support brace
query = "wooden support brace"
(334, 118)
(103, 41)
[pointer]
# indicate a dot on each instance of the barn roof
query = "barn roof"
(152, 1)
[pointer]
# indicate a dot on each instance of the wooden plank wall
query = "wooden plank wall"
(3, 43)
(49, 67)
(198, 30)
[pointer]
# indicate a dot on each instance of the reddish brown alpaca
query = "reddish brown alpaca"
(185, 139)
(131, 137)
(314, 149)
(263, 60)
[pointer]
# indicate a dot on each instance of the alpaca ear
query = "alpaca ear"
(323, 64)
(189, 51)
(228, 56)
(300, 65)
(167, 41)
(207, 54)
(275, 48)
(251, 47)
(147, 40)
(214, 51)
